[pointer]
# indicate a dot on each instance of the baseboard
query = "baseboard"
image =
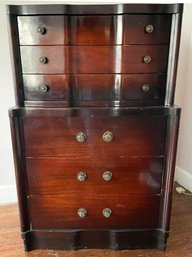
(8, 194)
(184, 178)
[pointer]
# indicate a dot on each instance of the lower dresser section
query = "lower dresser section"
(95, 177)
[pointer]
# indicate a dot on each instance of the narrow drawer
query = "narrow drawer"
(46, 87)
(47, 176)
(60, 212)
(147, 29)
(55, 133)
(145, 89)
(94, 59)
(94, 30)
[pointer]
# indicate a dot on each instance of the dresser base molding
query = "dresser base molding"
(100, 239)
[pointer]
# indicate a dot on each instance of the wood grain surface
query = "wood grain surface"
(95, 87)
(94, 59)
(94, 30)
(179, 242)
(140, 135)
(54, 176)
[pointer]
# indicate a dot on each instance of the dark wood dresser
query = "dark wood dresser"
(95, 127)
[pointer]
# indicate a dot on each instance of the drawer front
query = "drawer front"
(95, 87)
(93, 30)
(135, 27)
(93, 59)
(133, 135)
(60, 212)
(47, 176)
(46, 87)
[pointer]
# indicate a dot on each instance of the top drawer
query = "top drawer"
(94, 30)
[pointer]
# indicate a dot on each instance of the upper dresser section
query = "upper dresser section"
(109, 55)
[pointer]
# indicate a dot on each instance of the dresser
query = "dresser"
(95, 128)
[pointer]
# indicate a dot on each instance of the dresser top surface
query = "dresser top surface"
(94, 9)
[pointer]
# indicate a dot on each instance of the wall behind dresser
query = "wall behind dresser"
(7, 180)
(183, 98)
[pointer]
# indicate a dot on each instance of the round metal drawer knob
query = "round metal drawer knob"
(82, 176)
(149, 28)
(81, 137)
(82, 213)
(107, 212)
(43, 88)
(145, 87)
(43, 60)
(107, 176)
(41, 30)
(107, 136)
(147, 59)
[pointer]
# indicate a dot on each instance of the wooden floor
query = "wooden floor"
(179, 243)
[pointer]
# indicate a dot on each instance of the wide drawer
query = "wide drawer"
(54, 133)
(94, 30)
(94, 59)
(60, 212)
(96, 87)
(63, 175)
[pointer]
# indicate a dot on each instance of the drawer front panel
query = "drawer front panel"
(134, 135)
(94, 87)
(134, 211)
(135, 29)
(55, 30)
(59, 175)
(93, 30)
(55, 87)
(94, 59)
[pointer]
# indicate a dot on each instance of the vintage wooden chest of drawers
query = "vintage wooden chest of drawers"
(95, 129)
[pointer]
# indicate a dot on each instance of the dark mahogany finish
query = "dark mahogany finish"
(128, 211)
(46, 200)
(93, 59)
(82, 88)
(58, 87)
(142, 175)
(56, 135)
(101, 71)
(93, 30)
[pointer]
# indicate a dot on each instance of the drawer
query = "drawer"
(93, 30)
(94, 59)
(95, 87)
(54, 133)
(60, 212)
(46, 87)
(101, 176)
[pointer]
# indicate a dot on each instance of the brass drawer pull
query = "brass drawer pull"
(82, 176)
(107, 176)
(108, 136)
(145, 87)
(107, 212)
(82, 212)
(43, 60)
(149, 28)
(41, 30)
(43, 88)
(147, 59)
(81, 137)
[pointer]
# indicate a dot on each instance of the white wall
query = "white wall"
(7, 180)
(183, 98)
